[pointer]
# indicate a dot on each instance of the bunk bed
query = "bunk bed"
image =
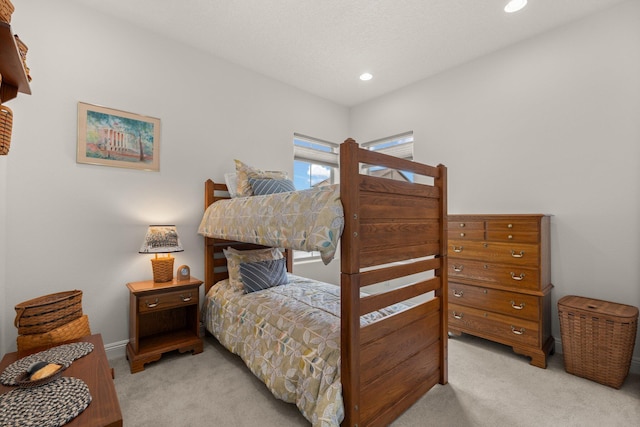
(392, 349)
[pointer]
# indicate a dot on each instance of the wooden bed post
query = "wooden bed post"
(349, 285)
(441, 183)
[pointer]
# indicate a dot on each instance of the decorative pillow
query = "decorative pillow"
(260, 275)
(231, 179)
(245, 172)
(236, 257)
(261, 187)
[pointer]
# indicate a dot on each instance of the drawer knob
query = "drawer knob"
(457, 249)
(510, 226)
(458, 315)
(510, 236)
(462, 234)
(461, 224)
(518, 278)
(187, 298)
(152, 304)
(517, 331)
(517, 255)
(517, 307)
(458, 294)
(458, 268)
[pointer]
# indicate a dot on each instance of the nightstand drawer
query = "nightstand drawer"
(166, 300)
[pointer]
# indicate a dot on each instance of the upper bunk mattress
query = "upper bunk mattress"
(307, 220)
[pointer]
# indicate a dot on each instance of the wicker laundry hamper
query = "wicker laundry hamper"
(597, 338)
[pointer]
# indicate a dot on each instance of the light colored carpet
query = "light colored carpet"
(489, 385)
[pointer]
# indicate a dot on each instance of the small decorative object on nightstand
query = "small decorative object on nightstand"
(183, 273)
(161, 239)
(162, 317)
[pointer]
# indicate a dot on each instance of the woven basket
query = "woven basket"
(23, 49)
(6, 10)
(6, 124)
(162, 269)
(597, 338)
(48, 312)
(75, 329)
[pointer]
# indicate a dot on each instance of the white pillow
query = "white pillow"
(231, 179)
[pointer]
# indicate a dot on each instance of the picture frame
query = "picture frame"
(111, 137)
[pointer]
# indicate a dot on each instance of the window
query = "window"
(399, 146)
(315, 162)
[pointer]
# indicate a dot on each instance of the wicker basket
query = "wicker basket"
(23, 49)
(6, 124)
(48, 312)
(75, 329)
(597, 338)
(162, 269)
(6, 10)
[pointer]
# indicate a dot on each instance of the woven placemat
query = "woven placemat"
(49, 405)
(62, 355)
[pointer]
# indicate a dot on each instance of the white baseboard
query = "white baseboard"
(635, 361)
(116, 349)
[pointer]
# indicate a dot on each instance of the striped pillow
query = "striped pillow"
(260, 275)
(262, 187)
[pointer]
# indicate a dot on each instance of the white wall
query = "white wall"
(550, 125)
(77, 226)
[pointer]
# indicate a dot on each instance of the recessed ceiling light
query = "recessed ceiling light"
(515, 5)
(366, 76)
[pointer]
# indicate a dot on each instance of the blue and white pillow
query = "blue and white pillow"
(261, 187)
(260, 275)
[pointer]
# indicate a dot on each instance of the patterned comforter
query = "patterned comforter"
(289, 336)
(307, 220)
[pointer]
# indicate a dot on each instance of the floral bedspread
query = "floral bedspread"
(289, 336)
(307, 220)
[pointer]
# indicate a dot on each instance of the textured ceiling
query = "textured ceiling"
(322, 46)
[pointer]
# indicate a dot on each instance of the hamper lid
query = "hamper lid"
(598, 306)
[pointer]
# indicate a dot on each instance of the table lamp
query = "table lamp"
(161, 239)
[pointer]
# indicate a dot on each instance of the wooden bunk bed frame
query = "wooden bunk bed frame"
(392, 229)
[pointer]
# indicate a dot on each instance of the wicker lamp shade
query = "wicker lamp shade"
(161, 239)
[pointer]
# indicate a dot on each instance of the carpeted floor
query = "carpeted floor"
(489, 385)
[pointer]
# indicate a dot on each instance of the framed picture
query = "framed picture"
(117, 138)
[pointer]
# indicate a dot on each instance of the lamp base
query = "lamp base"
(162, 269)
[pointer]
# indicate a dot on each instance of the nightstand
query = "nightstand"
(162, 317)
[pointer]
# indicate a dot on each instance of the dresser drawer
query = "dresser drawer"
(466, 234)
(461, 224)
(151, 302)
(516, 226)
(513, 304)
(523, 254)
(513, 276)
(506, 329)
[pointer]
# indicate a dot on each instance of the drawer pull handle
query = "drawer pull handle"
(461, 224)
(458, 316)
(515, 255)
(186, 299)
(520, 277)
(457, 249)
(458, 268)
(462, 234)
(458, 294)
(517, 331)
(517, 307)
(152, 304)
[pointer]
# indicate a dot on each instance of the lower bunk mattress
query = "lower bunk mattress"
(289, 337)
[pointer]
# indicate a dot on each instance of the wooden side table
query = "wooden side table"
(162, 317)
(94, 370)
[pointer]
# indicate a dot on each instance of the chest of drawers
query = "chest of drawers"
(500, 281)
